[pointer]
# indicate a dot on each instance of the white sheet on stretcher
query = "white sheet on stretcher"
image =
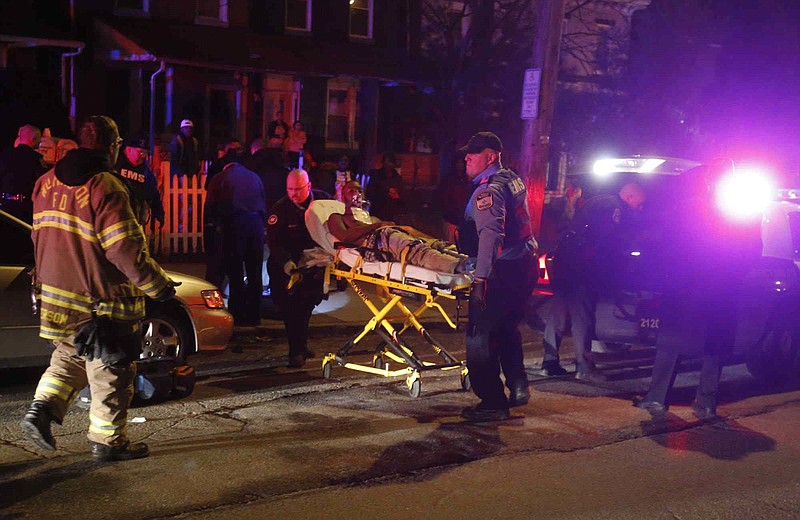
(317, 223)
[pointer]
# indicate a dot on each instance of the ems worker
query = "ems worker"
(93, 271)
(497, 232)
(19, 169)
(133, 168)
(287, 237)
(581, 268)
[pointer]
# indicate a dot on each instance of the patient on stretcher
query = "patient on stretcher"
(381, 238)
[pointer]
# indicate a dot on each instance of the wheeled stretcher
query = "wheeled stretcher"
(395, 283)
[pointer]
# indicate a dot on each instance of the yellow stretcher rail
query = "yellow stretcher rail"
(393, 346)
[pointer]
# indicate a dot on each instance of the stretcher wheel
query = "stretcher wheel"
(415, 389)
(326, 370)
(379, 363)
(466, 385)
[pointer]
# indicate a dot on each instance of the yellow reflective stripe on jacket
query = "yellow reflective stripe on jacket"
(155, 287)
(122, 310)
(65, 222)
(51, 333)
(56, 387)
(103, 427)
(119, 231)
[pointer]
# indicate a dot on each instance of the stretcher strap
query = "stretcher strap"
(403, 261)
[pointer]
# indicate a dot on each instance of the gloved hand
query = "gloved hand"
(167, 294)
(86, 341)
(477, 294)
(288, 267)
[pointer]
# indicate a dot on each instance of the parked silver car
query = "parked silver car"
(196, 319)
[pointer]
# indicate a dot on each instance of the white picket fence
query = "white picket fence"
(184, 199)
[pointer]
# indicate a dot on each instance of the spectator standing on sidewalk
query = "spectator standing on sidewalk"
(287, 236)
(184, 151)
(384, 190)
(294, 144)
(20, 167)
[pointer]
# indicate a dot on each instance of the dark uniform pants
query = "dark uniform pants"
(297, 307)
(111, 387)
(576, 300)
(243, 236)
(493, 337)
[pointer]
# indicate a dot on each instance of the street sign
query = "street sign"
(530, 94)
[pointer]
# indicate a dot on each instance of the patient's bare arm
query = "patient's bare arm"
(347, 229)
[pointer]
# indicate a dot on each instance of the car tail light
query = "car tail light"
(213, 299)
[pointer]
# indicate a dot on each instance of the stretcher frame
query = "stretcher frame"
(393, 347)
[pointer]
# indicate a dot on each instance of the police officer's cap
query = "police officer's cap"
(137, 140)
(482, 140)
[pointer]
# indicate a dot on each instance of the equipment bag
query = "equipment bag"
(162, 378)
(154, 379)
(183, 380)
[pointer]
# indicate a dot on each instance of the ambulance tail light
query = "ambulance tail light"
(744, 195)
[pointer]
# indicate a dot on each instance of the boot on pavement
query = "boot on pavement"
(36, 425)
(124, 451)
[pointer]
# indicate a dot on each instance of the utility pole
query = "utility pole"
(536, 133)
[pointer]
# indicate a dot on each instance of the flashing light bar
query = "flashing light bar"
(744, 195)
(605, 167)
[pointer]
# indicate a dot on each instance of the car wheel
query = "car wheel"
(777, 359)
(165, 332)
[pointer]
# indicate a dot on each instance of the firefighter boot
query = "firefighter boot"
(124, 451)
(36, 425)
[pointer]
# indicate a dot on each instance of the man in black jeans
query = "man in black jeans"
(235, 202)
(287, 237)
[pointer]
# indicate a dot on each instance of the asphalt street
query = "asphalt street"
(258, 440)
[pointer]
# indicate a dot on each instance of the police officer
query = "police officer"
(580, 269)
(93, 270)
(132, 167)
(715, 255)
(287, 237)
(497, 233)
(235, 203)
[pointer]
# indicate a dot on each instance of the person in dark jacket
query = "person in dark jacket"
(288, 236)
(184, 151)
(19, 168)
(497, 233)
(232, 151)
(582, 267)
(385, 190)
(132, 167)
(715, 255)
(235, 202)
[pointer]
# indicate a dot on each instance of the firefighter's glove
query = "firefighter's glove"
(477, 294)
(167, 293)
(86, 341)
(96, 340)
(288, 267)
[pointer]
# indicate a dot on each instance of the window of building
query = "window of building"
(340, 128)
(131, 7)
(602, 52)
(212, 12)
(361, 18)
(298, 15)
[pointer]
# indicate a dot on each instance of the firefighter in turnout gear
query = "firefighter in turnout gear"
(93, 271)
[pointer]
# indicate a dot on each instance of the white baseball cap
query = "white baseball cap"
(187, 122)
